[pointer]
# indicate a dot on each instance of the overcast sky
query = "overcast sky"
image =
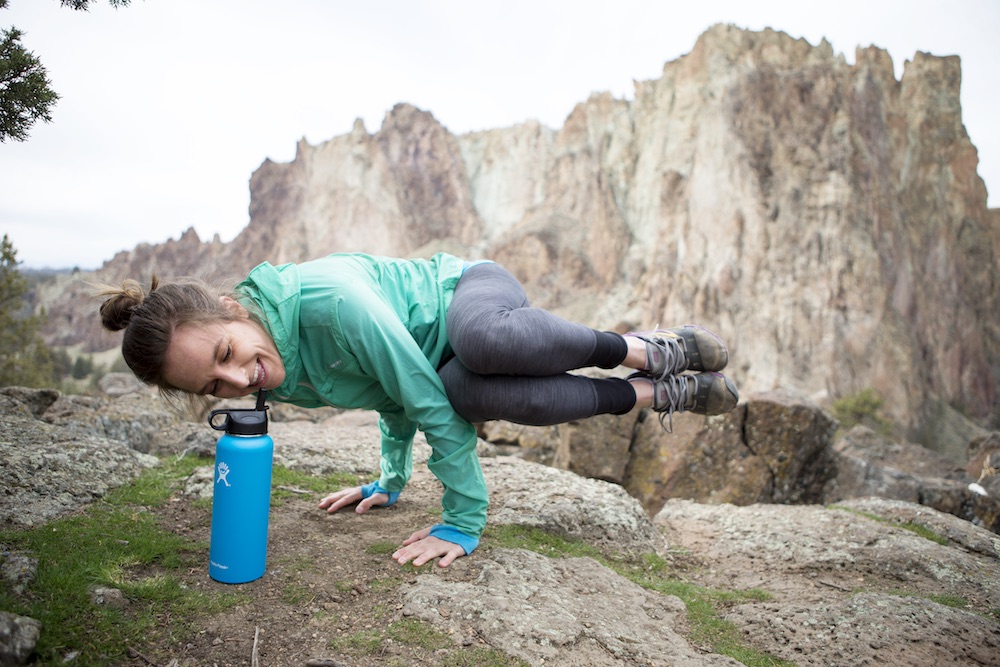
(168, 106)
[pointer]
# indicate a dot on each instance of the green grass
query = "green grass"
(864, 407)
(156, 485)
(381, 548)
(422, 636)
(117, 543)
(344, 586)
(924, 532)
(481, 657)
(707, 627)
(540, 541)
(409, 632)
(384, 584)
(953, 601)
(417, 633)
(367, 642)
(916, 528)
(295, 593)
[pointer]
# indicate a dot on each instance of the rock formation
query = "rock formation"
(827, 219)
(776, 447)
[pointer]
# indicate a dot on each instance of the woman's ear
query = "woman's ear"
(233, 307)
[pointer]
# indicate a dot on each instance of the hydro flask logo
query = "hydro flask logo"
(223, 471)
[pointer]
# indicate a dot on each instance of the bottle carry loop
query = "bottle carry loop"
(242, 421)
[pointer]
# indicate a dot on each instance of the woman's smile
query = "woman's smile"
(259, 374)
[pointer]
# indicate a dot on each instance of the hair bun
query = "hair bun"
(122, 302)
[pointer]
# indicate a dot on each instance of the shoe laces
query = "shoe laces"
(675, 359)
(670, 395)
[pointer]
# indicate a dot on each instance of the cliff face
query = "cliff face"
(825, 218)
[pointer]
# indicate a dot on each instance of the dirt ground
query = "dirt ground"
(332, 596)
(329, 597)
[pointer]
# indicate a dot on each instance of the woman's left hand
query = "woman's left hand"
(421, 547)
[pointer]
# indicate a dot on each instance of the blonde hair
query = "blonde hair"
(150, 317)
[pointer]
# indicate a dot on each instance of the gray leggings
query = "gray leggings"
(511, 360)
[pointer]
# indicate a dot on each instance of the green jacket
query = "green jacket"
(356, 331)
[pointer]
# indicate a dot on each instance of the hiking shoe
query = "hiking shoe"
(701, 393)
(686, 348)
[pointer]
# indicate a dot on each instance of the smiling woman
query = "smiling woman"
(431, 344)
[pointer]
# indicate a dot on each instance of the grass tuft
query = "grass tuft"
(417, 633)
(382, 548)
(916, 528)
(409, 632)
(481, 657)
(864, 407)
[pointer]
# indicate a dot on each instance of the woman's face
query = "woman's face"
(223, 359)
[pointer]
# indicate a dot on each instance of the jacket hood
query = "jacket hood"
(272, 294)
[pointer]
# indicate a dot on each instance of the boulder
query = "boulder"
(559, 612)
(18, 638)
(560, 502)
(50, 470)
(868, 464)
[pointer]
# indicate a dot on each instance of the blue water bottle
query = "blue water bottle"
(241, 499)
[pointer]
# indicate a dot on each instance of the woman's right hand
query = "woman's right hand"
(345, 497)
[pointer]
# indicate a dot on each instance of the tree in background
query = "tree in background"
(85, 4)
(62, 364)
(26, 94)
(25, 359)
(83, 367)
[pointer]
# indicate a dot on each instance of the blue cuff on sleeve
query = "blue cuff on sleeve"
(369, 489)
(455, 536)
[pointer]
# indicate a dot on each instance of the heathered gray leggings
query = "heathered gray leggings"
(511, 360)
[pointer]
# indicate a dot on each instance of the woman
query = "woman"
(431, 344)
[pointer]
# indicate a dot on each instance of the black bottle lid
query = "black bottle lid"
(242, 421)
